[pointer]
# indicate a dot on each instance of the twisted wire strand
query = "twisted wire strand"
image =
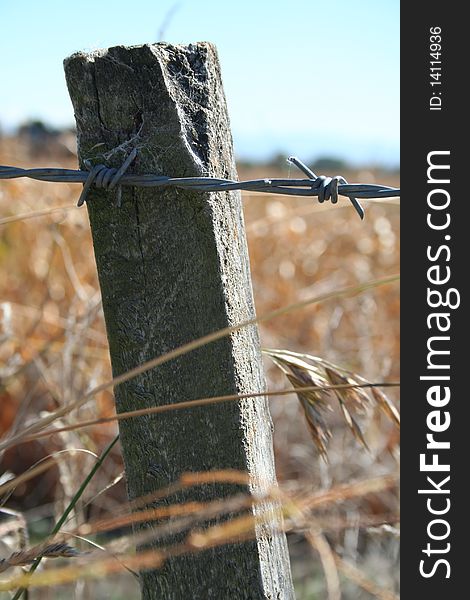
(325, 188)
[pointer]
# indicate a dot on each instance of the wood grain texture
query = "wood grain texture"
(173, 266)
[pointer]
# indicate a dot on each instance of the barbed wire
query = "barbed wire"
(108, 178)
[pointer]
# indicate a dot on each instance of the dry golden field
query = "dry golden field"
(53, 350)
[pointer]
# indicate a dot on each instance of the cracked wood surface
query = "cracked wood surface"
(173, 266)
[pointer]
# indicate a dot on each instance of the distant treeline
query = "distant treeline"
(279, 161)
(35, 128)
(40, 135)
(331, 165)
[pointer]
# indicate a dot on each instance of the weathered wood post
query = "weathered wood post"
(173, 266)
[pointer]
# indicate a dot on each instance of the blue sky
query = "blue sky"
(310, 77)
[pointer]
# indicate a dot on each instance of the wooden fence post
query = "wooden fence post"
(173, 266)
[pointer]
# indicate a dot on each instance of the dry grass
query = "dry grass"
(317, 381)
(53, 352)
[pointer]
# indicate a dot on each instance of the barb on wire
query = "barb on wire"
(325, 188)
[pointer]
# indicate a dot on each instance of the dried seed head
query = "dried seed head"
(304, 371)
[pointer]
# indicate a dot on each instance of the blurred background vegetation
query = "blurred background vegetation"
(53, 349)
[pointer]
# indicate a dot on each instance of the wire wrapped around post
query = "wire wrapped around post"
(322, 187)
